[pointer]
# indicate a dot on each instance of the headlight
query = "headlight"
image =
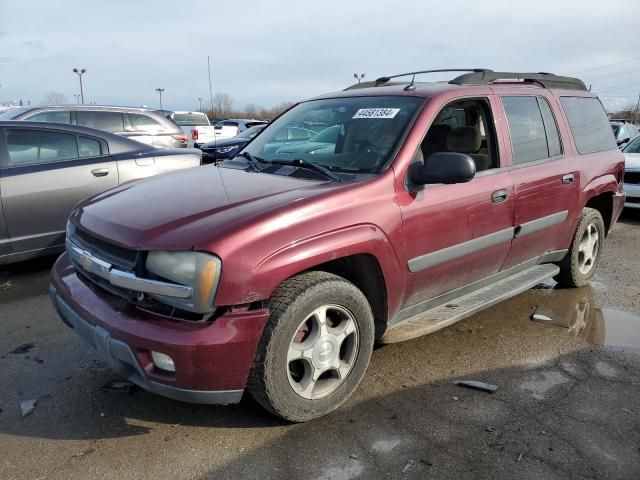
(198, 270)
(226, 149)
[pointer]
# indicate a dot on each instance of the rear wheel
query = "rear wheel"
(315, 347)
(580, 263)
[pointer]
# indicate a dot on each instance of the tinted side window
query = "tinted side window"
(89, 147)
(550, 126)
(56, 116)
(144, 123)
(29, 147)
(589, 125)
(528, 139)
(108, 121)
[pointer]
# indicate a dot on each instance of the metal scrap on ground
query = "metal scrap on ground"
(474, 384)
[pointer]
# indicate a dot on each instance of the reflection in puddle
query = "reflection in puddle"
(577, 311)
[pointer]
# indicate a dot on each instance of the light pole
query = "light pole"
(358, 77)
(160, 90)
(77, 97)
(80, 73)
(200, 100)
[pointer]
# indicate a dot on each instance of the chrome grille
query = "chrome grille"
(114, 254)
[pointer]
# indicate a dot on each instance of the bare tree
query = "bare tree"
(54, 98)
(252, 110)
(222, 105)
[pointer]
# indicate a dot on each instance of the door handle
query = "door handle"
(567, 179)
(100, 172)
(499, 196)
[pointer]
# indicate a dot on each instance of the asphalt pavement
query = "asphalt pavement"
(567, 403)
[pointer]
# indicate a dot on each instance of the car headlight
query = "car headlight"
(226, 149)
(198, 270)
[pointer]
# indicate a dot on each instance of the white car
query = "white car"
(632, 174)
(196, 125)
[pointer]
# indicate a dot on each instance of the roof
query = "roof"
(76, 106)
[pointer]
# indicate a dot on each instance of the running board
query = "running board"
(447, 314)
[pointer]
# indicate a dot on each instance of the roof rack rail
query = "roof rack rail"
(485, 76)
(386, 79)
(547, 80)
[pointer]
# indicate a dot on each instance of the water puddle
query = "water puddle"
(576, 310)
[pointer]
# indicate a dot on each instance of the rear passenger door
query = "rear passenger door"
(43, 175)
(545, 177)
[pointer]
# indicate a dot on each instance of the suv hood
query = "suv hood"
(181, 209)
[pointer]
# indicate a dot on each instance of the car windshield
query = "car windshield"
(633, 147)
(12, 113)
(197, 119)
(360, 133)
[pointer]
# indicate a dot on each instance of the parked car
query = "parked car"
(233, 126)
(196, 125)
(632, 174)
(277, 274)
(141, 124)
(218, 150)
(624, 131)
(46, 169)
(322, 142)
(288, 135)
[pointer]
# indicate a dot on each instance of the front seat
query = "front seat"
(468, 140)
(435, 140)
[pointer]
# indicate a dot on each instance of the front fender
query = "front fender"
(249, 286)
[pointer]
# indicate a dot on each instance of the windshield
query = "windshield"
(633, 147)
(197, 119)
(12, 113)
(360, 133)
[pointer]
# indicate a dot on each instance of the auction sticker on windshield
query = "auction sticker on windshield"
(376, 113)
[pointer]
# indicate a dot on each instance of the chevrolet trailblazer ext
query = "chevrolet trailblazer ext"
(277, 272)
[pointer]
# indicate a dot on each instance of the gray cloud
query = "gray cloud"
(267, 52)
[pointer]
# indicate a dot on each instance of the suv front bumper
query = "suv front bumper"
(212, 360)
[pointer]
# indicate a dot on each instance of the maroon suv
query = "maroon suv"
(410, 206)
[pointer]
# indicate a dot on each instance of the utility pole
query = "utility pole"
(160, 90)
(635, 115)
(77, 97)
(80, 72)
(358, 77)
(200, 100)
(210, 88)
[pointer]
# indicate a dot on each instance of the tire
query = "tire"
(286, 387)
(575, 271)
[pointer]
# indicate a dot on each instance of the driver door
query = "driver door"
(457, 234)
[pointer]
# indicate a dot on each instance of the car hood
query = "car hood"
(225, 142)
(632, 161)
(182, 209)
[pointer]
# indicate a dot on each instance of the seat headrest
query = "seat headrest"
(464, 140)
(438, 132)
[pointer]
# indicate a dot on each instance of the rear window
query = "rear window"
(589, 124)
(107, 121)
(144, 123)
(197, 119)
(526, 129)
(53, 116)
(29, 147)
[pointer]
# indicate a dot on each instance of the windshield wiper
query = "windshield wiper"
(300, 162)
(255, 162)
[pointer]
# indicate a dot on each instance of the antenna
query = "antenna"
(411, 87)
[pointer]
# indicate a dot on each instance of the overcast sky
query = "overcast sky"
(266, 52)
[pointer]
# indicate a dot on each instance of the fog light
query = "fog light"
(163, 362)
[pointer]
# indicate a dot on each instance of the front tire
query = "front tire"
(315, 347)
(580, 263)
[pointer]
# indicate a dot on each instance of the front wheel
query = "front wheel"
(315, 347)
(580, 263)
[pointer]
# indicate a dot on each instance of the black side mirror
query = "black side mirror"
(623, 141)
(444, 167)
